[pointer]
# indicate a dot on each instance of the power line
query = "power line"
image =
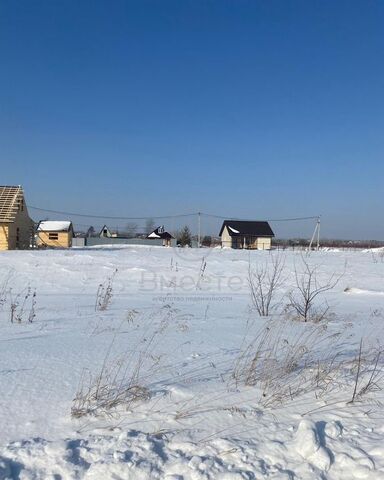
(72, 214)
(267, 219)
(83, 215)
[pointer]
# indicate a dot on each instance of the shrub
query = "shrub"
(264, 282)
(303, 299)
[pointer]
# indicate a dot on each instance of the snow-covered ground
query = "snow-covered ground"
(132, 363)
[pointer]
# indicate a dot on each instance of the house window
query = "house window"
(53, 236)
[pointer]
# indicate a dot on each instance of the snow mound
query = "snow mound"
(362, 291)
(135, 455)
(308, 445)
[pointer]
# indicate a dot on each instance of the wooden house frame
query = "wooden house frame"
(16, 227)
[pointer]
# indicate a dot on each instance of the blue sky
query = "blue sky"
(252, 109)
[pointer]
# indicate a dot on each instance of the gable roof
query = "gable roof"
(244, 227)
(107, 233)
(159, 232)
(10, 197)
(54, 226)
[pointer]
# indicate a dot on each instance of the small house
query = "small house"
(16, 227)
(246, 234)
(160, 233)
(54, 234)
(106, 233)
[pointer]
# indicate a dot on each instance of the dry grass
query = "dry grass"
(286, 360)
(104, 293)
(201, 273)
(21, 303)
(124, 379)
(369, 374)
(5, 289)
(107, 390)
(274, 359)
(378, 256)
(282, 362)
(23, 306)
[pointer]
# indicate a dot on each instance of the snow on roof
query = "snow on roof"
(54, 226)
(247, 227)
(159, 232)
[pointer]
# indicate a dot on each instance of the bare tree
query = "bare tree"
(149, 226)
(91, 232)
(207, 241)
(264, 282)
(131, 229)
(303, 299)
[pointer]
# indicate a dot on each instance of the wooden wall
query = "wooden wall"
(4, 236)
(64, 239)
(17, 234)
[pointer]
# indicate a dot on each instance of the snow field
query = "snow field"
(178, 331)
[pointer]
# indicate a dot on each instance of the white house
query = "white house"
(160, 233)
(246, 234)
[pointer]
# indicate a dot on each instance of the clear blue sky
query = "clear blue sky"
(255, 109)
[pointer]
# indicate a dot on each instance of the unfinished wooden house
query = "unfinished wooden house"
(54, 234)
(246, 234)
(16, 228)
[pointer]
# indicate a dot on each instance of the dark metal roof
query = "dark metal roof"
(160, 234)
(243, 227)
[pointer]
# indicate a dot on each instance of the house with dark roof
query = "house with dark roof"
(160, 233)
(246, 234)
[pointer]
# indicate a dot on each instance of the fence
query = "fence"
(94, 241)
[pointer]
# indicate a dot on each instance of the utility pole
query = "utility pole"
(198, 230)
(316, 233)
